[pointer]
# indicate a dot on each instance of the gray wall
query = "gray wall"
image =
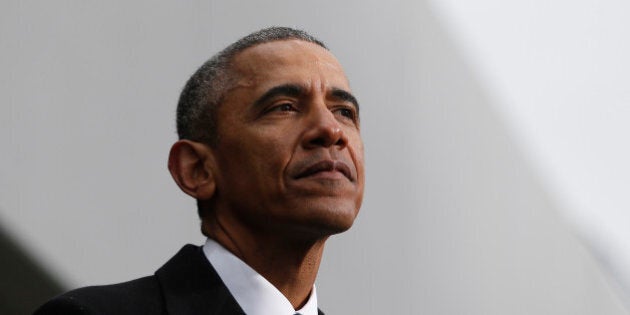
(454, 221)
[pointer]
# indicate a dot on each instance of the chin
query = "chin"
(324, 219)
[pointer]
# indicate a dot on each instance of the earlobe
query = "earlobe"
(191, 166)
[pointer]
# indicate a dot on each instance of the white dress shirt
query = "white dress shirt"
(254, 294)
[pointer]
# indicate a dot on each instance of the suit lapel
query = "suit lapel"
(191, 286)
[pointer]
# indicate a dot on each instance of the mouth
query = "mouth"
(326, 168)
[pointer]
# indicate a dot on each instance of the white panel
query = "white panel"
(559, 72)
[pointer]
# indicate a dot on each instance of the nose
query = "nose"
(323, 130)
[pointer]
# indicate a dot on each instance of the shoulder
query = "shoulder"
(140, 296)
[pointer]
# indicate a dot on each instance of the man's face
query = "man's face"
(289, 156)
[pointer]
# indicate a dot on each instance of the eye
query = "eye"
(347, 112)
(282, 107)
(286, 107)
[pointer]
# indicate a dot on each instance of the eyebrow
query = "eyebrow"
(291, 90)
(345, 96)
(294, 90)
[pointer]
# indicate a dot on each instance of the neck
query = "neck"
(289, 263)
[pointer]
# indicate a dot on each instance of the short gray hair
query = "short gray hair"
(206, 88)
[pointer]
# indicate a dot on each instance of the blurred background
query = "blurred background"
(495, 133)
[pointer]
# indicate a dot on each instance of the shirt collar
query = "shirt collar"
(253, 292)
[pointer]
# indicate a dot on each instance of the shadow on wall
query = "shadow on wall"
(24, 285)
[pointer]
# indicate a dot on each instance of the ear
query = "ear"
(192, 166)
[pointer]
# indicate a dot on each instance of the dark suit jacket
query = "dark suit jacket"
(186, 285)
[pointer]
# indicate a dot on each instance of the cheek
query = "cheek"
(360, 164)
(274, 147)
(356, 151)
(264, 159)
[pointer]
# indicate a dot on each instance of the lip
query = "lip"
(326, 166)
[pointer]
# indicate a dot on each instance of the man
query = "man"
(270, 148)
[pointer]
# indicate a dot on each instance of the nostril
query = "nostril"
(319, 141)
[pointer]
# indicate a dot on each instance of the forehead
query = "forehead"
(285, 61)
